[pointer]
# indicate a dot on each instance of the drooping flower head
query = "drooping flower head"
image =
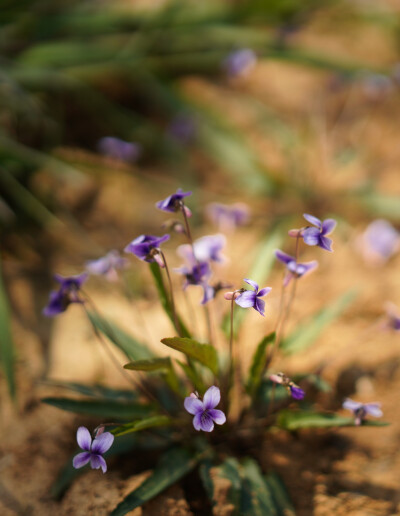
(361, 410)
(252, 298)
(294, 390)
(107, 265)
(228, 217)
(173, 203)
(317, 235)
(204, 412)
(119, 149)
(68, 293)
(240, 62)
(379, 242)
(195, 272)
(93, 450)
(294, 269)
(146, 248)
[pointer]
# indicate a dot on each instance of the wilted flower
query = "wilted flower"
(379, 242)
(295, 269)
(317, 236)
(240, 62)
(119, 149)
(251, 298)
(205, 413)
(361, 410)
(93, 450)
(294, 390)
(173, 203)
(107, 265)
(146, 247)
(228, 217)
(68, 293)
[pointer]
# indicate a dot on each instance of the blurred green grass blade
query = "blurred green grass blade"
(173, 465)
(101, 408)
(132, 348)
(160, 365)
(313, 379)
(203, 353)
(7, 350)
(306, 333)
(193, 375)
(143, 424)
(94, 391)
(280, 495)
(258, 364)
(381, 205)
(297, 419)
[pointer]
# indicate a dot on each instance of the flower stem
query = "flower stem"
(171, 290)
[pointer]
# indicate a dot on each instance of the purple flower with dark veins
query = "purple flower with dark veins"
(251, 298)
(204, 412)
(294, 269)
(119, 149)
(240, 62)
(294, 390)
(146, 248)
(228, 217)
(317, 236)
(93, 450)
(68, 293)
(174, 202)
(361, 410)
(107, 265)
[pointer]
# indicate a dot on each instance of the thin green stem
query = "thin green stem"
(171, 290)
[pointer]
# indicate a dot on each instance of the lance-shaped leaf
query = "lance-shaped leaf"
(298, 419)
(132, 348)
(269, 390)
(144, 424)
(105, 408)
(258, 364)
(6, 340)
(306, 333)
(173, 465)
(280, 496)
(158, 365)
(203, 353)
(95, 390)
(165, 301)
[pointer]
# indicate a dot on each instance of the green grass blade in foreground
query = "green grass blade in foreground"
(298, 419)
(280, 496)
(203, 353)
(258, 364)
(143, 424)
(164, 298)
(133, 349)
(101, 408)
(158, 365)
(174, 464)
(306, 333)
(7, 352)
(259, 272)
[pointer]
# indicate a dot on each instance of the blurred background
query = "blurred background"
(289, 106)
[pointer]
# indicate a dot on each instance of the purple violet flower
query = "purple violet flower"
(173, 203)
(107, 265)
(206, 249)
(197, 273)
(361, 410)
(294, 390)
(119, 149)
(93, 450)
(379, 242)
(68, 293)
(251, 298)
(228, 217)
(240, 62)
(294, 269)
(146, 248)
(204, 412)
(317, 236)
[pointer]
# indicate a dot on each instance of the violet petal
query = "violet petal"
(211, 397)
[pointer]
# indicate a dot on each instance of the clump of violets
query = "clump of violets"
(228, 217)
(68, 292)
(294, 390)
(318, 235)
(174, 202)
(204, 412)
(93, 449)
(294, 269)
(107, 265)
(147, 248)
(250, 298)
(361, 410)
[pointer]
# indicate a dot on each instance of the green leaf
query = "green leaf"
(203, 353)
(306, 333)
(133, 349)
(267, 389)
(280, 496)
(205, 476)
(7, 352)
(158, 365)
(101, 408)
(95, 391)
(143, 424)
(315, 380)
(165, 301)
(173, 465)
(297, 419)
(258, 364)
(193, 376)
(229, 469)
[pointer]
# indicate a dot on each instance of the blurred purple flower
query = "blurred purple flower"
(204, 412)
(251, 298)
(183, 128)
(146, 247)
(174, 202)
(119, 149)
(107, 265)
(317, 236)
(240, 62)
(294, 269)
(379, 242)
(228, 217)
(361, 410)
(376, 85)
(294, 390)
(196, 273)
(393, 317)
(93, 450)
(205, 249)
(68, 293)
